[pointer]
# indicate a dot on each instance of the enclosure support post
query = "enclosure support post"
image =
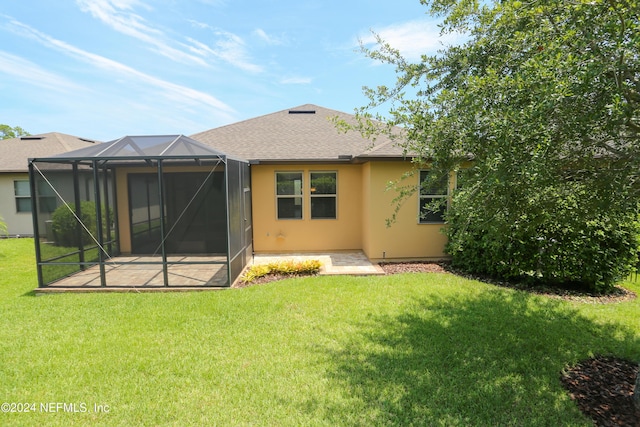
(76, 201)
(165, 270)
(96, 191)
(116, 222)
(226, 201)
(107, 211)
(36, 231)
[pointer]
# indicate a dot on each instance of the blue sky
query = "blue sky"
(103, 69)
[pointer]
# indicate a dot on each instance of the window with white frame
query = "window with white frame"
(324, 195)
(433, 198)
(22, 192)
(47, 201)
(289, 195)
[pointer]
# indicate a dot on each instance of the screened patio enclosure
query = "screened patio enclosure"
(141, 211)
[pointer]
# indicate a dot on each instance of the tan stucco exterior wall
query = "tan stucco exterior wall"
(271, 235)
(364, 205)
(406, 238)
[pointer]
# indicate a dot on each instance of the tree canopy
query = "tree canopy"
(539, 112)
(8, 132)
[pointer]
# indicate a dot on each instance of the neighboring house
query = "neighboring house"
(317, 189)
(15, 193)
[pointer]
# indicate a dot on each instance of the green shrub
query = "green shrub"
(285, 267)
(547, 239)
(65, 224)
(3, 227)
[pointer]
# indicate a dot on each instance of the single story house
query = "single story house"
(15, 193)
(317, 189)
(286, 182)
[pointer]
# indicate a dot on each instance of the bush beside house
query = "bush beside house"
(65, 225)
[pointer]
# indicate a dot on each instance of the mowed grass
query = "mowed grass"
(412, 349)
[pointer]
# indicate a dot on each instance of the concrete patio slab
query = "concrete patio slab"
(124, 276)
(333, 263)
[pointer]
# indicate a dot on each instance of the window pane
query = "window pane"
(47, 204)
(22, 188)
(429, 187)
(427, 205)
(289, 183)
(23, 205)
(323, 207)
(323, 183)
(290, 208)
(44, 189)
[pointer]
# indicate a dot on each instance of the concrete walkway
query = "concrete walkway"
(333, 263)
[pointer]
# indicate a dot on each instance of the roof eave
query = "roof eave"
(341, 159)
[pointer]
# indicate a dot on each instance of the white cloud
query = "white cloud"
(198, 24)
(414, 38)
(177, 93)
(227, 47)
(271, 40)
(119, 15)
(28, 71)
(231, 48)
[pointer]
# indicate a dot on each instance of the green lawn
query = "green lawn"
(414, 349)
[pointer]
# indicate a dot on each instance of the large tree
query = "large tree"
(543, 104)
(8, 132)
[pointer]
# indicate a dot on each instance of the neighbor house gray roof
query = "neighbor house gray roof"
(17, 151)
(304, 133)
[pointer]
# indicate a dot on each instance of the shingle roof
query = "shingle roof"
(303, 133)
(17, 151)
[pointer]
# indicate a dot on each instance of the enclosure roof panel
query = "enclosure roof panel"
(144, 147)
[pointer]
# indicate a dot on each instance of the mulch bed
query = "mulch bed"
(602, 387)
(268, 279)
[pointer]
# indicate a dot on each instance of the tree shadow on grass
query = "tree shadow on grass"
(494, 358)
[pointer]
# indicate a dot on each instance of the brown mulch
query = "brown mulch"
(602, 387)
(268, 279)
(414, 267)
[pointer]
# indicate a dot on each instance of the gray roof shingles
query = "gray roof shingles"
(303, 133)
(17, 151)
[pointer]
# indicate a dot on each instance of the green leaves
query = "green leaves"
(287, 267)
(8, 132)
(3, 227)
(545, 97)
